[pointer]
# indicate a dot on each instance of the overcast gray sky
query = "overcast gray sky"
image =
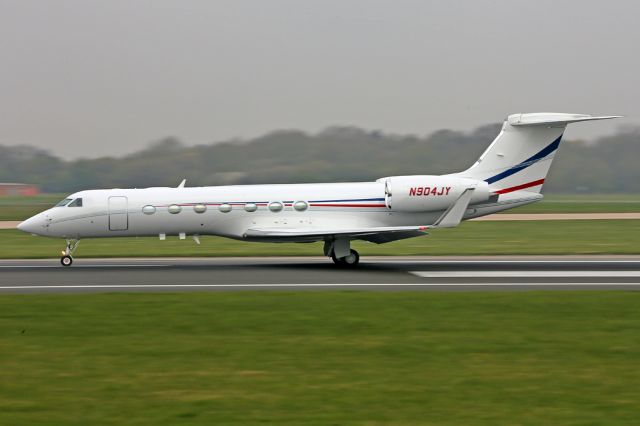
(89, 78)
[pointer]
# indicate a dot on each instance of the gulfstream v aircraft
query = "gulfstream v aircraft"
(510, 173)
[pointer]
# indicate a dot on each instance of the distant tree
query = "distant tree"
(338, 153)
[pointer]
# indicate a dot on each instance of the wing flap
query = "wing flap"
(321, 233)
(387, 237)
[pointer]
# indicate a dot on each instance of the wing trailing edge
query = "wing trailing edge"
(373, 234)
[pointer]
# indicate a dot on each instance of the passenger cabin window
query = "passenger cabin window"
(76, 203)
(64, 202)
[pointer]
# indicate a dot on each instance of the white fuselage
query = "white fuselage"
(227, 210)
(509, 173)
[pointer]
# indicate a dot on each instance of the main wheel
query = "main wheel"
(350, 260)
(66, 260)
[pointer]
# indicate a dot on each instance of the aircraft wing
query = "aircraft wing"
(381, 234)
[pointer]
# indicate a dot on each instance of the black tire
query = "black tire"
(66, 261)
(350, 261)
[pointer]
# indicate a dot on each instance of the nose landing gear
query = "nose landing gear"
(66, 259)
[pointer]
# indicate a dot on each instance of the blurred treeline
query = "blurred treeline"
(609, 164)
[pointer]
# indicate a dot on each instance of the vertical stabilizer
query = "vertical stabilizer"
(521, 155)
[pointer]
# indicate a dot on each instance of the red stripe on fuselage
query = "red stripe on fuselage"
(519, 187)
(286, 205)
(347, 205)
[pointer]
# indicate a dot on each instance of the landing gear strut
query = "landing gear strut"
(66, 259)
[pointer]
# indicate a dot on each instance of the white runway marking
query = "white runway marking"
(526, 274)
(506, 262)
(309, 285)
(83, 266)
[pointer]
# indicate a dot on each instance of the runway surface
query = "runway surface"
(314, 273)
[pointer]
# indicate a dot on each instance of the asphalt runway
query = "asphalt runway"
(299, 273)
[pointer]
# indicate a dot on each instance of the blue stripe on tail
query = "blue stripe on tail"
(526, 163)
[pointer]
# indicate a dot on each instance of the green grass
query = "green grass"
(330, 358)
(470, 238)
(571, 203)
(20, 208)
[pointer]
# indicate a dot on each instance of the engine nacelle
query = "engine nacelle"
(430, 193)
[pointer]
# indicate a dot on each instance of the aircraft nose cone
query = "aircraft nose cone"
(31, 226)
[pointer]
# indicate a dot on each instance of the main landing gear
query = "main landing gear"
(341, 253)
(66, 259)
(351, 260)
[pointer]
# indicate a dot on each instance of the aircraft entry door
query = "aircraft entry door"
(118, 216)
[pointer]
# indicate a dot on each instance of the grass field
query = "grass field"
(20, 208)
(470, 238)
(596, 203)
(533, 358)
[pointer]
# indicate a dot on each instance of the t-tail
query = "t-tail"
(520, 156)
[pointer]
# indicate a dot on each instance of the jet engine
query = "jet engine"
(430, 193)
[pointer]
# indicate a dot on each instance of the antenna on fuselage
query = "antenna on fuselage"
(182, 183)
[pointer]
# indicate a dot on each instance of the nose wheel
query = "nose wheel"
(66, 259)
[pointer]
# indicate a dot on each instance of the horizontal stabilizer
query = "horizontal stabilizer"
(539, 118)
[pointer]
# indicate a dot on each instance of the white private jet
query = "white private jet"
(510, 173)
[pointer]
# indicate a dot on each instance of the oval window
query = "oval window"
(200, 208)
(174, 209)
(250, 207)
(225, 208)
(300, 206)
(148, 210)
(275, 206)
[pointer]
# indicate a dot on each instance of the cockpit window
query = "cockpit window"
(76, 203)
(64, 202)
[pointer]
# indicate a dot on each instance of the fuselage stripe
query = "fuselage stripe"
(347, 201)
(317, 203)
(347, 205)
